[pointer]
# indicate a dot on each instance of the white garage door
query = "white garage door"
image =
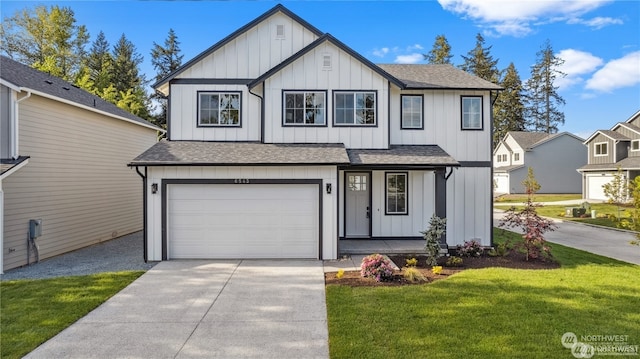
(594, 186)
(242, 221)
(501, 183)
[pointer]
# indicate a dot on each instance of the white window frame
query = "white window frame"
(414, 110)
(602, 153)
(516, 156)
(220, 110)
(358, 111)
(305, 111)
(396, 194)
(637, 144)
(466, 115)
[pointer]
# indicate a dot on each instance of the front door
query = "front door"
(358, 205)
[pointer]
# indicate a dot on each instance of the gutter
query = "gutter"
(262, 122)
(144, 212)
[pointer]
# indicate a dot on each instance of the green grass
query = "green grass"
(32, 311)
(488, 313)
(519, 198)
(602, 209)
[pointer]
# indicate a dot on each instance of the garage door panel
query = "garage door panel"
(243, 221)
(594, 186)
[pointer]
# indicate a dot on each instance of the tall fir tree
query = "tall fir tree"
(127, 80)
(543, 101)
(479, 62)
(508, 110)
(99, 62)
(440, 53)
(165, 59)
(47, 39)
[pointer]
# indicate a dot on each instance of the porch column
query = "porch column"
(441, 199)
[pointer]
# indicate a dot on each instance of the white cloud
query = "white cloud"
(409, 59)
(415, 47)
(618, 73)
(576, 63)
(380, 52)
(597, 22)
(515, 18)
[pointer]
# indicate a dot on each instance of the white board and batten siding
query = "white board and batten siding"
(282, 196)
(308, 74)
(253, 52)
(77, 180)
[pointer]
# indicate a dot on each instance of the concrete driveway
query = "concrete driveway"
(206, 309)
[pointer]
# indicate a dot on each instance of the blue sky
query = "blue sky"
(598, 39)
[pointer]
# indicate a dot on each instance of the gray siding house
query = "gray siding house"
(609, 150)
(63, 160)
(554, 159)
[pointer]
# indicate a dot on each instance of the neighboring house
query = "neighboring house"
(554, 159)
(608, 151)
(282, 140)
(64, 155)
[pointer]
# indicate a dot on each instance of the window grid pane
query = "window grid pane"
(471, 113)
(412, 112)
(396, 193)
(220, 109)
(304, 108)
(355, 108)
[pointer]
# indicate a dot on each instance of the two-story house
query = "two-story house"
(554, 159)
(63, 165)
(609, 150)
(282, 140)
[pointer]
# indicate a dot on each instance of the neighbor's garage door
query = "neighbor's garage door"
(242, 221)
(594, 186)
(501, 183)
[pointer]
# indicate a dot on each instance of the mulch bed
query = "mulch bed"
(514, 259)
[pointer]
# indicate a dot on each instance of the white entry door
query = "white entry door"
(243, 221)
(358, 205)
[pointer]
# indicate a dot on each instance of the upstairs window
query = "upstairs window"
(219, 109)
(472, 113)
(354, 108)
(600, 149)
(397, 193)
(635, 145)
(516, 157)
(411, 112)
(305, 108)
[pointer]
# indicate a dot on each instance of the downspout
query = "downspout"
(144, 212)
(15, 138)
(261, 112)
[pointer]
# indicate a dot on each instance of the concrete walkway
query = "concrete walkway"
(206, 309)
(603, 241)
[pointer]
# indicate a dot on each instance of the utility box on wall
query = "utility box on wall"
(35, 228)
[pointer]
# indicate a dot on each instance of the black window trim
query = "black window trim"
(406, 193)
(462, 97)
(333, 108)
(326, 109)
(421, 112)
(198, 124)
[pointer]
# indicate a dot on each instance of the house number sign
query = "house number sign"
(241, 181)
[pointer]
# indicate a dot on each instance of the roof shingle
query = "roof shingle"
(427, 155)
(431, 76)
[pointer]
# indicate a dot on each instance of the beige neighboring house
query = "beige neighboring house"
(64, 155)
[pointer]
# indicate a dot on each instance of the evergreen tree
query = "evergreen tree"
(165, 59)
(127, 80)
(479, 62)
(47, 39)
(440, 53)
(99, 62)
(543, 100)
(508, 110)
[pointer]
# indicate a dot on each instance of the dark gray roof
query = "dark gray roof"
(411, 155)
(629, 163)
(423, 76)
(8, 164)
(240, 153)
(527, 140)
(506, 169)
(24, 76)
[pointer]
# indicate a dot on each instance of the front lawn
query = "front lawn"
(489, 313)
(603, 213)
(32, 311)
(519, 198)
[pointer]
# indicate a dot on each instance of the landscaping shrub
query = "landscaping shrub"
(411, 262)
(501, 250)
(413, 274)
(376, 266)
(470, 248)
(454, 262)
(437, 227)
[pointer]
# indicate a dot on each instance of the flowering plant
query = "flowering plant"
(340, 273)
(470, 248)
(377, 267)
(436, 269)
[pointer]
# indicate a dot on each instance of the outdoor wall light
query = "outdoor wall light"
(328, 187)
(154, 187)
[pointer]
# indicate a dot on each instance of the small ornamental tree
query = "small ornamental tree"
(633, 222)
(532, 225)
(437, 227)
(617, 191)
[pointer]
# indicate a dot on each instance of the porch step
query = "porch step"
(366, 246)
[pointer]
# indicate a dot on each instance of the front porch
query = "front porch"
(348, 247)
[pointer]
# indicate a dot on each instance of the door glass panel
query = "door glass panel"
(357, 182)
